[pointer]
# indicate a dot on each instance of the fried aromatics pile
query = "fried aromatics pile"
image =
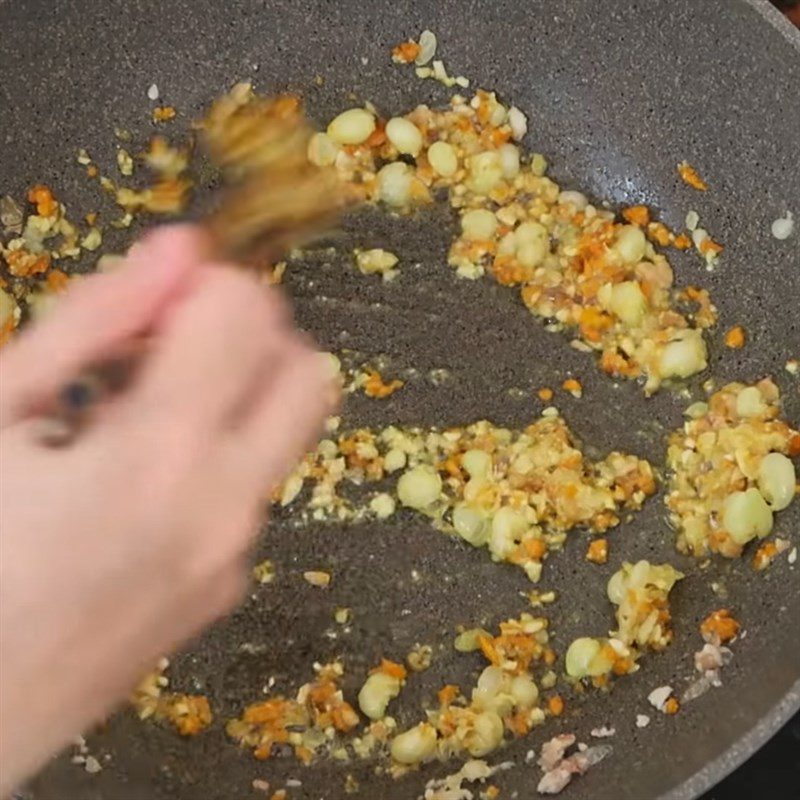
(276, 198)
(577, 268)
(307, 723)
(517, 493)
(189, 714)
(505, 699)
(640, 593)
(731, 469)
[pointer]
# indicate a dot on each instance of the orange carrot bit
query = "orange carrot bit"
(555, 705)
(710, 247)
(22, 264)
(92, 171)
(793, 448)
(489, 650)
(447, 694)
(545, 394)
(378, 136)
(56, 281)
(164, 113)
(764, 555)
(573, 386)
(690, 176)
(593, 323)
(344, 718)
(42, 197)
(492, 792)
(391, 668)
(91, 218)
(721, 625)
(405, 52)
(190, 714)
(535, 549)
(377, 388)
(735, 338)
(636, 215)
(683, 241)
(660, 233)
(672, 706)
(597, 551)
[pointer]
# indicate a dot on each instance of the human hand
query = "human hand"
(123, 544)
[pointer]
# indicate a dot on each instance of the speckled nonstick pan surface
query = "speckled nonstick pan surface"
(617, 93)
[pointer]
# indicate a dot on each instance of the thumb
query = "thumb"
(98, 317)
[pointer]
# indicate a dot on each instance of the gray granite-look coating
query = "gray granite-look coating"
(617, 93)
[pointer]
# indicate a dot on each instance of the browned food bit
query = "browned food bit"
(301, 722)
(573, 387)
(637, 215)
(376, 387)
(767, 553)
(597, 551)
(690, 176)
(405, 52)
(731, 469)
(719, 627)
(188, 714)
(735, 337)
(164, 113)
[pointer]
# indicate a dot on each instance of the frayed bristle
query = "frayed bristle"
(275, 199)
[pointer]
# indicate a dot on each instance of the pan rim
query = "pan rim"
(777, 20)
(776, 717)
(742, 749)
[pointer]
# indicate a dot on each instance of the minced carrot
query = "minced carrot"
(92, 171)
(42, 197)
(690, 176)
(91, 218)
(735, 338)
(492, 792)
(391, 668)
(597, 551)
(572, 386)
(672, 706)
(406, 52)
(56, 280)
(556, 705)
(190, 714)
(447, 694)
(593, 323)
(164, 113)
(764, 555)
(720, 624)
(545, 394)
(660, 233)
(682, 242)
(708, 246)
(489, 650)
(377, 388)
(535, 549)
(636, 215)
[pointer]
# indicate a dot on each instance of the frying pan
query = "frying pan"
(617, 94)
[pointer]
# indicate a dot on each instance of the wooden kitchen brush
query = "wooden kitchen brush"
(273, 199)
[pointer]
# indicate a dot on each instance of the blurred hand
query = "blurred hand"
(125, 543)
